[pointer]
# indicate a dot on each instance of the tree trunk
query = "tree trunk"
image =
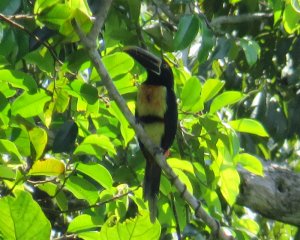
(275, 196)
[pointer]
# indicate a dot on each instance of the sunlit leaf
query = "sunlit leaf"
(30, 105)
(137, 228)
(82, 189)
(97, 172)
(80, 89)
(184, 178)
(84, 222)
(126, 131)
(118, 64)
(191, 95)
(96, 145)
(251, 163)
(19, 136)
(211, 88)
(291, 18)
(22, 218)
(38, 139)
(224, 99)
(47, 167)
(296, 5)
(8, 147)
(249, 126)
(229, 184)
(181, 164)
(18, 80)
(6, 172)
(41, 5)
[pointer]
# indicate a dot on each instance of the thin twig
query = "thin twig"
(19, 26)
(99, 204)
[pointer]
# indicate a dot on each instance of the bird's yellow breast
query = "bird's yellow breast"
(151, 100)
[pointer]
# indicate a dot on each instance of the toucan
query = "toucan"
(156, 111)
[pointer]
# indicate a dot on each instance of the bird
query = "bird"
(156, 111)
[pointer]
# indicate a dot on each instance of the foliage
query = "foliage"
(68, 157)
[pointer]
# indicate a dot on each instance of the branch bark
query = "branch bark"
(89, 44)
(275, 196)
(239, 18)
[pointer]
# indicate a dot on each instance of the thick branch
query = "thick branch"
(275, 196)
(239, 18)
(159, 157)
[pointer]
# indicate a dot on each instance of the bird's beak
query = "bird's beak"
(149, 61)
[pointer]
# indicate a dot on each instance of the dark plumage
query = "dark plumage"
(156, 111)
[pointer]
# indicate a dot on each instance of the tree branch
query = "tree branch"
(275, 196)
(216, 22)
(158, 155)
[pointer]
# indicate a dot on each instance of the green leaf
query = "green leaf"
(38, 138)
(191, 95)
(6, 172)
(47, 167)
(207, 42)
(229, 184)
(8, 147)
(28, 105)
(118, 64)
(62, 101)
(97, 172)
(251, 50)
(251, 163)
(224, 99)
(82, 189)
(212, 200)
(245, 224)
(9, 7)
(65, 138)
(42, 59)
(277, 9)
(85, 222)
(126, 131)
(184, 178)
(82, 90)
(41, 5)
(134, 9)
(53, 190)
(4, 110)
(296, 5)
(22, 218)
(18, 80)
(181, 164)
(58, 14)
(137, 228)
(291, 19)
(96, 145)
(249, 126)
(49, 187)
(210, 89)
(188, 28)
(20, 137)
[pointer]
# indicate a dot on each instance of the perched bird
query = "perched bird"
(156, 111)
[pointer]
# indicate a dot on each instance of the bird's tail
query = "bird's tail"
(151, 186)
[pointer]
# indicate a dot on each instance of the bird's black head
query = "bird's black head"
(159, 71)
